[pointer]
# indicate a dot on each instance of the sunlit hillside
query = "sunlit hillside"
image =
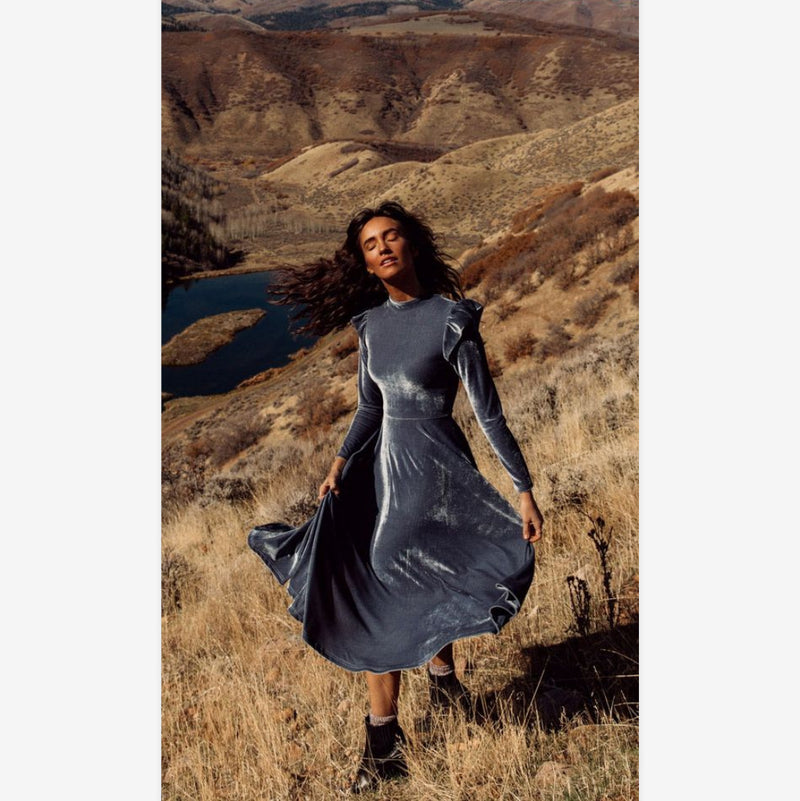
(617, 16)
(518, 141)
(249, 711)
(300, 130)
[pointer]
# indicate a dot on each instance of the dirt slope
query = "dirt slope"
(265, 95)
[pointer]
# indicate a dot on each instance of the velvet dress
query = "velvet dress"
(418, 549)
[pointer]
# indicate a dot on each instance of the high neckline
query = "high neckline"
(405, 304)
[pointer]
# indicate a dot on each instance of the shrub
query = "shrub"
(522, 345)
(570, 488)
(179, 581)
(600, 174)
(182, 475)
(550, 234)
(588, 311)
(346, 345)
(503, 266)
(541, 404)
(319, 412)
(553, 198)
(235, 436)
(348, 366)
(495, 368)
(478, 253)
(625, 271)
(227, 490)
(557, 343)
(301, 510)
(551, 254)
(619, 410)
(505, 309)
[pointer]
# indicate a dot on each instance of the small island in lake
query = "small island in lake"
(201, 339)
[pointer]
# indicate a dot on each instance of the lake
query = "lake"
(267, 344)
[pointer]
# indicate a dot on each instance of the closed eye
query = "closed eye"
(389, 235)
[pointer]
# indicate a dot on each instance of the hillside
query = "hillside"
(561, 335)
(471, 189)
(617, 16)
(298, 208)
(522, 150)
(303, 129)
(535, 298)
(234, 93)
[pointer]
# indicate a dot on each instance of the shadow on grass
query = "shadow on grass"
(594, 676)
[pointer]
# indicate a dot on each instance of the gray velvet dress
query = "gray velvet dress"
(418, 549)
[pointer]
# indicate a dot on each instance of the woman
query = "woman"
(411, 548)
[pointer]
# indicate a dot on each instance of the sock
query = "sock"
(440, 670)
(378, 720)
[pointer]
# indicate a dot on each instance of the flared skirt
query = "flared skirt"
(417, 550)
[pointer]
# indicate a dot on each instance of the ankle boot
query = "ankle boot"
(383, 757)
(447, 692)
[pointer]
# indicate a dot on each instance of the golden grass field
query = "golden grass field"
(250, 712)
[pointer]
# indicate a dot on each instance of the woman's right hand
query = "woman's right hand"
(331, 482)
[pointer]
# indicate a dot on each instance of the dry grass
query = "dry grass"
(319, 410)
(588, 310)
(250, 712)
(562, 235)
(520, 347)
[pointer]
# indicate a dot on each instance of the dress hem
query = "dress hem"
(489, 627)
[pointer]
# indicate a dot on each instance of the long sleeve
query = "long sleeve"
(369, 413)
(463, 348)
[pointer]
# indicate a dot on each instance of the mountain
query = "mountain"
(266, 95)
(307, 127)
(617, 16)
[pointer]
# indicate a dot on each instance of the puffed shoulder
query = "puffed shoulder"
(462, 320)
(359, 321)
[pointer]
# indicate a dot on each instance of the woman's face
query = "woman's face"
(388, 254)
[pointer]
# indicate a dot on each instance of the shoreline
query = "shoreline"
(239, 270)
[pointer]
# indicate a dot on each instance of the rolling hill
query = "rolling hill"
(235, 93)
(616, 16)
(305, 128)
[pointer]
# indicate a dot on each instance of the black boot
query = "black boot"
(447, 692)
(383, 757)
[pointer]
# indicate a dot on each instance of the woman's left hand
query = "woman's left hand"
(532, 520)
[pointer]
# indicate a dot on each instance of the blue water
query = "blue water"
(266, 344)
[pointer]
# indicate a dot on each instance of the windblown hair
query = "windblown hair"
(327, 292)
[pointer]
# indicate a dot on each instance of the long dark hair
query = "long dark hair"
(327, 292)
